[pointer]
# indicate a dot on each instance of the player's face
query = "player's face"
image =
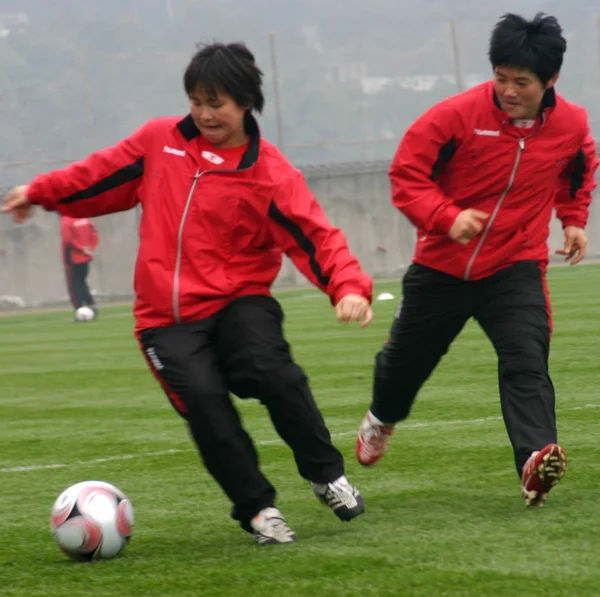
(219, 118)
(519, 91)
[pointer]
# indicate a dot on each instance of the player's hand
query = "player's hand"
(469, 223)
(87, 251)
(17, 203)
(354, 307)
(575, 244)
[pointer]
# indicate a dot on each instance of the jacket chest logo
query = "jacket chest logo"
(486, 133)
(178, 152)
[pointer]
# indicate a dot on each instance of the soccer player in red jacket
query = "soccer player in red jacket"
(221, 205)
(479, 175)
(79, 241)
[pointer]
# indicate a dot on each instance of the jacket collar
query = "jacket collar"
(190, 131)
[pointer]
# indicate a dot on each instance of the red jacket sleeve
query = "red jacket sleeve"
(317, 248)
(427, 144)
(576, 185)
(105, 182)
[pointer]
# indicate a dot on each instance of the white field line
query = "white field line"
(404, 427)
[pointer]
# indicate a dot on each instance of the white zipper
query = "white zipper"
(176, 276)
(496, 209)
(502, 197)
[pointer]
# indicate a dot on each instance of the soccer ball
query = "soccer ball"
(92, 520)
(85, 314)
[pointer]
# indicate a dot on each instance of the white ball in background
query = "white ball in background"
(85, 314)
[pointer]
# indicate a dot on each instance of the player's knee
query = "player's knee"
(393, 365)
(214, 435)
(522, 363)
(265, 379)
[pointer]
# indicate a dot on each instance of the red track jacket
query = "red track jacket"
(465, 153)
(206, 237)
(78, 234)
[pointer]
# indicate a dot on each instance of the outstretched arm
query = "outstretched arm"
(105, 182)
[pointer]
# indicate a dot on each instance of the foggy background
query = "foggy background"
(343, 81)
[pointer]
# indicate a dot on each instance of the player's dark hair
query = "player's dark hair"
(536, 45)
(228, 68)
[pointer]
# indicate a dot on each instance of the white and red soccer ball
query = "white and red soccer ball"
(92, 520)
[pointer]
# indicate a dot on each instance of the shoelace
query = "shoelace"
(281, 529)
(340, 493)
(374, 438)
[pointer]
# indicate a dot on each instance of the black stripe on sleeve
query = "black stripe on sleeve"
(303, 241)
(445, 154)
(118, 178)
(577, 173)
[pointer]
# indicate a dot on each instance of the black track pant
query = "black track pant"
(241, 350)
(76, 275)
(512, 308)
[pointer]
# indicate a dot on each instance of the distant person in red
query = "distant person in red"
(79, 241)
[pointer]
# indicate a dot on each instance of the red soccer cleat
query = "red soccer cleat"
(541, 473)
(372, 439)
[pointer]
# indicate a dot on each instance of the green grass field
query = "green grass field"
(444, 513)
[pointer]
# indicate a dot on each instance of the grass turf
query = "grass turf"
(444, 514)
